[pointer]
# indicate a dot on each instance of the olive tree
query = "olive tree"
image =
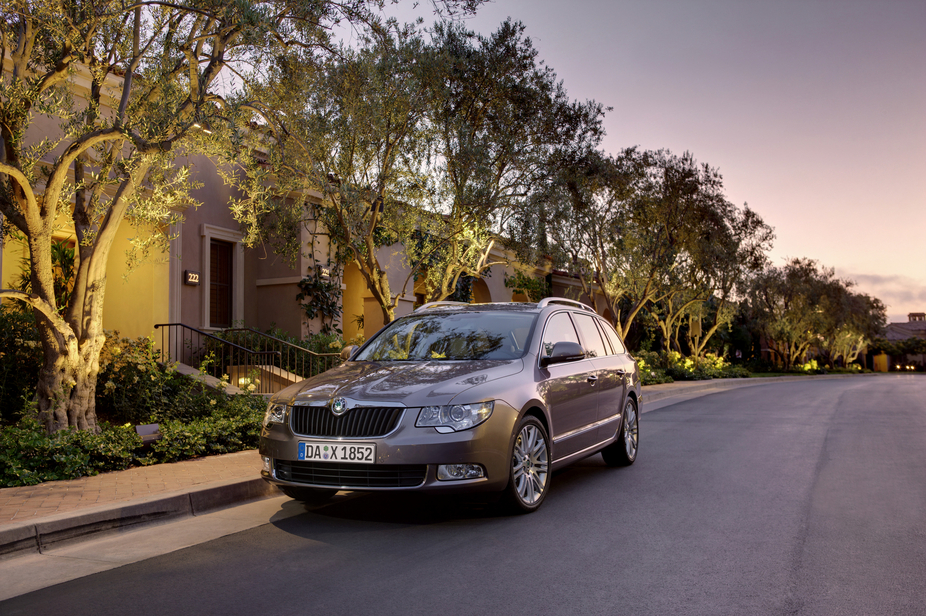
(497, 117)
(342, 152)
(634, 228)
(425, 146)
(97, 97)
(788, 305)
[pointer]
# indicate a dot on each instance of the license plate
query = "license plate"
(338, 451)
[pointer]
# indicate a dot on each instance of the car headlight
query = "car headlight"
(455, 416)
(276, 413)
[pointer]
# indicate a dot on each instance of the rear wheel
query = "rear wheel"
(529, 478)
(623, 451)
(310, 496)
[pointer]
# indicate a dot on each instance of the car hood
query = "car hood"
(408, 383)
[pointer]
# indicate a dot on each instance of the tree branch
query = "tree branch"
(33, 300)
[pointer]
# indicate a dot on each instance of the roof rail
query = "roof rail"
(562, 300)
(442, 303)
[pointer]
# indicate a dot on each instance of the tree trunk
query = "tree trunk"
(66, 391)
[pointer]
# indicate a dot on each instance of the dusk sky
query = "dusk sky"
(814, 111)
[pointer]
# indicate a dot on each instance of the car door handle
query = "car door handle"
(592, 379)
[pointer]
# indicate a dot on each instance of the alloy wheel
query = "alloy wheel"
(530, 464)
(631, 430)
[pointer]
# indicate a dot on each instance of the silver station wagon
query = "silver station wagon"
(459, 398)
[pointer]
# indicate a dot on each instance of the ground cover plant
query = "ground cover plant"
(135, 389)
(666, 367)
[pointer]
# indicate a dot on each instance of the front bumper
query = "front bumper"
(406, 459)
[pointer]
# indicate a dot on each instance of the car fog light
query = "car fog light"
(452, 472)
(266, 462)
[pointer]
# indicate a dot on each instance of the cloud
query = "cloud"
(901, 294)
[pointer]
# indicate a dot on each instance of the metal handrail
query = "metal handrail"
(208, 335)
(243, 367)
(261, 371)
(283, 342)
(295, 361)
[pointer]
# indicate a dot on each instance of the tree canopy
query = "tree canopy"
(431, 146)
(97, 97)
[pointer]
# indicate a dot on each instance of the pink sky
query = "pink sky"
(813, 110)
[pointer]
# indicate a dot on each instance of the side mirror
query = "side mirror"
(563, 351)
(347, 351)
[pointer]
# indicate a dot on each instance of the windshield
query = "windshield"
(452, 336)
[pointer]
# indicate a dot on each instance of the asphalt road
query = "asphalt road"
(793, 498)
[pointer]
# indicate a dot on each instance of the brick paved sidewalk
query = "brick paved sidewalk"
(32, 502)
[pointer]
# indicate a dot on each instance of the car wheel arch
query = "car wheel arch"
(540, 413)
(533, 409)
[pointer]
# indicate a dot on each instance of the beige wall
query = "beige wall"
(352, 291)
(12, 255)
(135, 301)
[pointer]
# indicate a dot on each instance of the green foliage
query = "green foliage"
(134, 388)
(651, 370)
(534, 288)
(670, 366)
(62, 262)
(29, 455)
(810, 367)
(320, 298)
(20, 361)
(324, 343)
(96, 102)
(234, 426)
(463, 291)
(803, 306)
(898, 348)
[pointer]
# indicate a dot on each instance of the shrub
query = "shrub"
(233, 426)
(668, 366)
(651, 370)
(132, 388)
(20, 362)
(810, 367)
(29, 455)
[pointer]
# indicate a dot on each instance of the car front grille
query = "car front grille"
(345, 475)
(359, 422)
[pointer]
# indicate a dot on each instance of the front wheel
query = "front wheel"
(623, 451)
(529, 478)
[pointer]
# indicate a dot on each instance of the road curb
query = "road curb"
(666, 391)
(59, 529)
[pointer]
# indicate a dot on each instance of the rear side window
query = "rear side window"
(607, 343)
(612, 337)
(594, 345)
(559, 328)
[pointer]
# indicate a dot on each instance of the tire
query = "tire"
(310, 496)
(623, 451)
(529, 475)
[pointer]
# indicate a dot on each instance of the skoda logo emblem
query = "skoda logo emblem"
(339, 406)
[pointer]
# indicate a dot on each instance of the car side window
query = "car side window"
(559, 328)
(613, 337)
(608, 347)
(594, 345)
